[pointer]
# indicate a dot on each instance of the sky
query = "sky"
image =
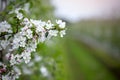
(74, 10)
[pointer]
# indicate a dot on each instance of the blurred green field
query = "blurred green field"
(84, 65)
(88, 61)
(104, 32)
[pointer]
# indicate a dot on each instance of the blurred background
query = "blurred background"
(91, 48)
(93, 37)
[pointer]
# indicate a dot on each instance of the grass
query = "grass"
(85, 66)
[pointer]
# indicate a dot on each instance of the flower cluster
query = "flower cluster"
(18, 44)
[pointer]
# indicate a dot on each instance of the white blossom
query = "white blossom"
(27, 32)
(26, 56)
(31, 47)
(62, 33)
(60, 23)
(53, 33)
(49, 25)
(15, 59)
(19, 16)
(5, 27)
(15, 11)
(24, 29)
(26, 22)
(12, 75)
(44, 71)
(17, 72)
(39, 25)
(37, 58)
(19, 41)
(41, 37)
(8, 56)
(4, 43)
(5, 77)
(12, 60)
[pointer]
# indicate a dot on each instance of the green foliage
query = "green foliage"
(38, 9)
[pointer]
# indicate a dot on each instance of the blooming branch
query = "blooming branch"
(17, 47)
